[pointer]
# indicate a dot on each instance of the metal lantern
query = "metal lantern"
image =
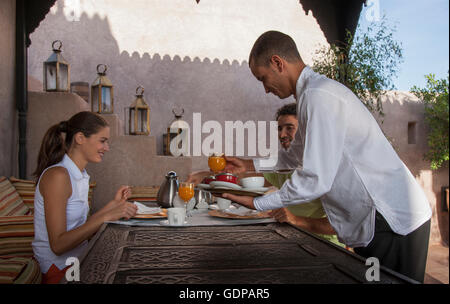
(56, 71)
(102, 92)
(139, 120)
(181, 145)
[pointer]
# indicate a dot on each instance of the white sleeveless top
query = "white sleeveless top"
(76, 214)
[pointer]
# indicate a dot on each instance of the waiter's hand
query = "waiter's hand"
(197, 177)
(237, 166)
(246, 201)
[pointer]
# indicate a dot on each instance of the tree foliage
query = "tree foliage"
(366, 63)
(435, 98)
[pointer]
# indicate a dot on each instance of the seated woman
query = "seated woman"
(61, 222)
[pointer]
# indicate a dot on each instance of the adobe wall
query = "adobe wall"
(8, 119)
(403, 109)
(184, 54)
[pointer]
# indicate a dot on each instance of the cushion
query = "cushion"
(91, 193)
(10, 201)
(26, 189)
(18, 270)
(16, 235)
(16, 226)
(144, 193)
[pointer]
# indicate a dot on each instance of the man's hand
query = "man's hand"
(237, 166)
(246, 201)
(283, 215)
(314, 225)
(198, 176)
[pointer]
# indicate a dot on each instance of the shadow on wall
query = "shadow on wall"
(220, 91)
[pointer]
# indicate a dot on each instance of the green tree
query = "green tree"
(366, 63)
(435, 98)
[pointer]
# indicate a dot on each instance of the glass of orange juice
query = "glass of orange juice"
(186, 191)
(216, 162)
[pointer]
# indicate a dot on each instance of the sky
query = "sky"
(423, 31)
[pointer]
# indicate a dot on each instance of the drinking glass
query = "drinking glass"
(186, 191)
(216, 162)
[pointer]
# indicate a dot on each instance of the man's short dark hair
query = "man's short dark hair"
(289, 109)
(273, 43)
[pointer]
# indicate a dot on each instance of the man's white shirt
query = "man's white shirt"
(341, 156)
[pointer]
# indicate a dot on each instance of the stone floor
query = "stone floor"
(437, 271)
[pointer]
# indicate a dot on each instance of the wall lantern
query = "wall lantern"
(56, 71)
(102, 92)
(176, 142)
(139, 119)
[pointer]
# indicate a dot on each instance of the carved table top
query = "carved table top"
(251, 254)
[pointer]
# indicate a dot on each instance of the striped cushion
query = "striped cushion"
(16, 226)
(142, 193)
(19, 270)
(16, 235)
(92, 185)
(16, 247)
(26, 189)
(10, 201)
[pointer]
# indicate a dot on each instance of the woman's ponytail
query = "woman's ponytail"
(52, 148)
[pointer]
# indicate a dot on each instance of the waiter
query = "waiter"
(370, 197)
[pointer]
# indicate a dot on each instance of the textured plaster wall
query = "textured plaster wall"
(402, 108)
(184, 54)
(8, 138)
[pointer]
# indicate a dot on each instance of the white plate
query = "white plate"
(216, 207)
(166, 223)
(259, 189)
(204, 186)
(242, 211)
(219, 184)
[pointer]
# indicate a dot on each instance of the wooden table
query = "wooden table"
(248, 254)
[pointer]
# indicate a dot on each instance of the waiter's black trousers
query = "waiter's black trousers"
(405, 254)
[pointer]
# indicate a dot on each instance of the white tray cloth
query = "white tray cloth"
(198, 218)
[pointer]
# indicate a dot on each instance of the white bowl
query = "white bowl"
(252, 182)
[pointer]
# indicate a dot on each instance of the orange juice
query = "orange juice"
(186, 191)
(216, 163)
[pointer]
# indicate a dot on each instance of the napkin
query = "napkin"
(142, 209)
(241, 210)
(202, 204)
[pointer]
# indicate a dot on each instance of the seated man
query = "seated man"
(309, 216)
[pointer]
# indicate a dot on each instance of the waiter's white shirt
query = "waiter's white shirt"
(347, 163)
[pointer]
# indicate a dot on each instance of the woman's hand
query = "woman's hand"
(123, 193)
(119, 206)
(119, 209)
